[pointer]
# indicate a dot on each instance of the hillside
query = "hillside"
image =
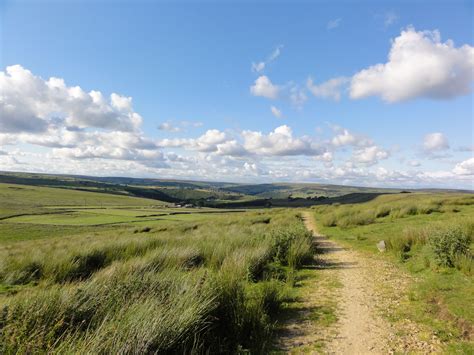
(211, 194)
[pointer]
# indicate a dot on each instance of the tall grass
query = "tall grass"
(179, 290)
(390, 206)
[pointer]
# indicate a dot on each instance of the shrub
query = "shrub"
(447, 245)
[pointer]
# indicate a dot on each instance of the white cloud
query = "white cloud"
(334, 24)
(276, 112)
(264, 87)
(206, 143)
(30, 104)
(69, 144)
(465, 167)
(260, 66)
(330, 89)
(370, 155)
(231, 148)
(279, 142)
(345, 138)
(419, 65)
(326, 157)
(435, 142)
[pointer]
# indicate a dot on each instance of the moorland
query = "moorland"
(100, 265)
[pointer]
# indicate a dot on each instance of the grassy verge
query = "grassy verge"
(429, 236)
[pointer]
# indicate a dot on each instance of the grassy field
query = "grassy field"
(91, 272)
(94, 273)
(431, 236)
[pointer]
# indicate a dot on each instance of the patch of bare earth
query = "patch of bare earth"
(364, 292)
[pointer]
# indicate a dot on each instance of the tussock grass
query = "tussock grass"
(389, 206)
(185, 288)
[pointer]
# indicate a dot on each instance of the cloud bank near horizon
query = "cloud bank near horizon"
(48, 126)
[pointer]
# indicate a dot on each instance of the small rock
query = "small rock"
(381, 246)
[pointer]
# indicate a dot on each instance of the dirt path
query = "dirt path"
(360, 329)
(363, 289)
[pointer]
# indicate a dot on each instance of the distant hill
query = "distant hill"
(212, 194)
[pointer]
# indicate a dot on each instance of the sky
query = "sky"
(367, 93)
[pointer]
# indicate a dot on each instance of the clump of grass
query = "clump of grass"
(464, 263)
(22, 271)
(382, 211)
(402, 244)
(264, 220)
(142, 230)
(292, 246)
(356, 218)
(329, 220)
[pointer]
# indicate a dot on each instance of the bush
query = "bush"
(447, 245)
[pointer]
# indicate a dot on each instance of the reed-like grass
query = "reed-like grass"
(201, 287)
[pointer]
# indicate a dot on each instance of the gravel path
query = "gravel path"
(368, 289)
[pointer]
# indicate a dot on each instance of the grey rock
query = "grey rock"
(381, 246)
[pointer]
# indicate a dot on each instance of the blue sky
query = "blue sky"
(205, 75)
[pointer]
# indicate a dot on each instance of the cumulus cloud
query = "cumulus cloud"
(276, 112)
(279, 142)
(465, 167)
(87, 133)
(344, 137)
(260, 66)
(264, 87)
(205, 143)
(330, 89)
(370, 155)
(433, 142)
(334, 23)
(29, 103)
(419, 65)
